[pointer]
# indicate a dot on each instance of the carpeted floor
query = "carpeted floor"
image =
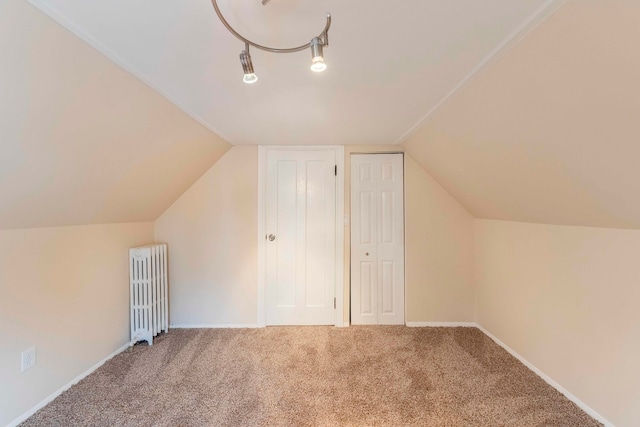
(314, 376)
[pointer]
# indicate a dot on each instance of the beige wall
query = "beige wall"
(566, 299)
(438, 246)
(439, 251)
(212, 235)
(64, 290)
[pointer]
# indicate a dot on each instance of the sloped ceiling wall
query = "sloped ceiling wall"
(549, 133)
(81, 140)
(546, 133)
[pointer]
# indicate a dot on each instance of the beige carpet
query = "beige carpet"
(314, 376)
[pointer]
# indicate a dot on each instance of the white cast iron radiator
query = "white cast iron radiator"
(149, 292)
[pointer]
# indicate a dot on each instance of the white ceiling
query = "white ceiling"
(390, 63)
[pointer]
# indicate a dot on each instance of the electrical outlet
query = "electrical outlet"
(28, 359)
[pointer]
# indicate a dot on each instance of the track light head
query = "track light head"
(317, 44)
(247, 67)
(317, 55)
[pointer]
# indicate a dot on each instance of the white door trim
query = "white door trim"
(262, 247)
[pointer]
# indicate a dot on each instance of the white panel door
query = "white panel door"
(377, 239)
(301, 237)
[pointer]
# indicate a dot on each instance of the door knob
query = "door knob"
(271, 237)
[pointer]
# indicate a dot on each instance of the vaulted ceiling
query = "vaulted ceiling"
(522, 110)
(550, 131)
(389, 62)
(81, 140)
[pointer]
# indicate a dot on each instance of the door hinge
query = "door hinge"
(334, 303)
(335, 170)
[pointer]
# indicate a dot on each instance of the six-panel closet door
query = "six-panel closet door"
(377, 239)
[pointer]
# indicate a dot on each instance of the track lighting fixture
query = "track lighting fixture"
(317, 56)
(247, 67)
(317, 44)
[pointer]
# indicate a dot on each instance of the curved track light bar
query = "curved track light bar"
(316, 44)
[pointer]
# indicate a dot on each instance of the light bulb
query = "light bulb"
(247, 67)
(318, 64)
(250, 78)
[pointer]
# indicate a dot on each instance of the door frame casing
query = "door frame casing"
(263, 151)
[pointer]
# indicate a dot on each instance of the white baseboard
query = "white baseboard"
(64, 388)
(231, 326)
(216, 326)
(441, 324)
(586, 408)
